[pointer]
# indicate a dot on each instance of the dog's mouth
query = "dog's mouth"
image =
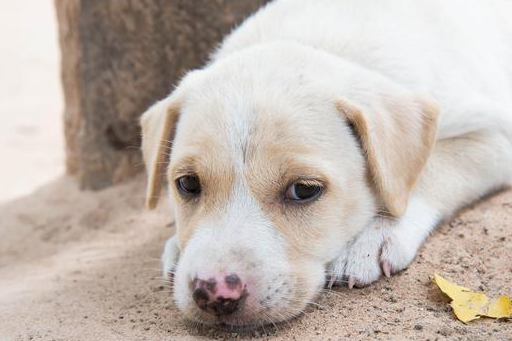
(241, 322)
(236, 322)
(247, 301)
(243, 319)
(252, 313)
(227, 327)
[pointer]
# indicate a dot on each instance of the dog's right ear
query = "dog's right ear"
(158, 124)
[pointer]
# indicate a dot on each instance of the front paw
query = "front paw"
(382, 248)
(170, 258)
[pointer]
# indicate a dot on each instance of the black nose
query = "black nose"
(224, 306)
(219, 296)
(219, 306)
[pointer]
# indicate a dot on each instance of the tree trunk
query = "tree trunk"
(120, 56)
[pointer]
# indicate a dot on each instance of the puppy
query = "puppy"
(327, 139)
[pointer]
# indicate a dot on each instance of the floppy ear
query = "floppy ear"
(157, 134)
(397, 137)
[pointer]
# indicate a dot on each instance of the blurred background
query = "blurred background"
(31, 131)
(77, 74)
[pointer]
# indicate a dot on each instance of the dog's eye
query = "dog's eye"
(189, 185)
(302, 192)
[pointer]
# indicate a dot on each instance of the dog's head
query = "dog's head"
(276, 157)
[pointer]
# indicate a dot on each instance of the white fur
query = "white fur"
(386, 240)
(242, 242)
(457, 52)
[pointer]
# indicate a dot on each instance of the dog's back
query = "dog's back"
(459, 52)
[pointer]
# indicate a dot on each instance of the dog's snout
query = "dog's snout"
(219, 295)
(232, 281)
(201, 298)
(224, 306)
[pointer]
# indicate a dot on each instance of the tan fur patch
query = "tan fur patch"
(211, 163)
(276, 160)
(157, 133)
(397, 144)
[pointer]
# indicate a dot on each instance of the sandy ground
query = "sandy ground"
(31, 137)
(84, 266)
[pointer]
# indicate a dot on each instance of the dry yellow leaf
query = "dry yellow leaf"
(468, 305)
(500, 308)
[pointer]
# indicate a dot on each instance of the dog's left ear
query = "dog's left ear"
(397, 136)
(157, 124)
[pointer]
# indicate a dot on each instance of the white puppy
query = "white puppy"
(326, 139)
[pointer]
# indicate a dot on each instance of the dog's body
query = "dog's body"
(398, 112)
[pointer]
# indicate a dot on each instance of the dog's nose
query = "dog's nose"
(219, 295)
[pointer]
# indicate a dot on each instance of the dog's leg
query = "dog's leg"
(170, 257)
(460, 171)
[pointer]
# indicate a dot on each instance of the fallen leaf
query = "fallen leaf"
(468, 305)
(501, 308)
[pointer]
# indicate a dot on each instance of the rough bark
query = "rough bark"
(119, 56)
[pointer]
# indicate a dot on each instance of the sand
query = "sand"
(84, 266)
(31, 133)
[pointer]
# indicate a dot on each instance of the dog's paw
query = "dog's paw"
(384, 247)
(170, 258)
(398, 251)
